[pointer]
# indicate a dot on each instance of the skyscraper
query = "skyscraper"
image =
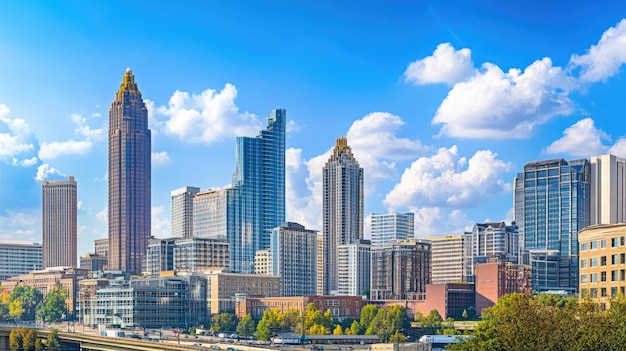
(608, 190)
(259, 182)
(59, 223)
(342, 212)
(182, 211)
(392, 226)
(129, 178)
(551, 205)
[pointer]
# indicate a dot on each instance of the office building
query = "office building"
(59, 223)
(551, 205)
(342, 210)
(19, 257)
(129, 178)
(101, 247)
(224, 288)
(93, 262)
(340, 307)
(293, 258)
(182, 211)
(496, 278)
(353, 263)
(487, 240)
(608, 190)
(197, 254)
(259, 182)
(159, 256)
(262, 262)
(214, 215)
(392, 226)
(603, 262)
(448, 258)
(400, 270)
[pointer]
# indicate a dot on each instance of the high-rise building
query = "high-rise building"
(487, 240)
(496, 278)
(448, 258)
(214, 214)
(400, 270)
(129, 178)
(259, 182)
(182, 211)
(342, 212)
(353, 264)
(608, 190)
(101, 247)
(293, 258)
(552, 203)
(19, 257)
(59, 223)
(392, 226)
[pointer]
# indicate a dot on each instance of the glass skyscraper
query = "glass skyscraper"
(129, 178)
(342, 211)
(259, 182)
(552, 203)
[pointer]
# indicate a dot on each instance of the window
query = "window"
(603, 292)
(603, 261)
(602, 276)
(594, 292)
(593, 262)
(584, 246)
(622, 241)
(614, 242)
(594, 277)
(583, 278)
(622, 258)
(594, 244)
(583, 292)
(614, 259)
(613, 291)
(614, 276)
(603, 243)
(583, 263)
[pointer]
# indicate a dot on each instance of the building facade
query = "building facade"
(19, 257)
(214, 215)
(198, 254)
(497, 278)
(392, 226)
(101, 247)
(93, 262)
(551, 204)
(448, 254)
(400, 269)
(182, 211)
(608, 190)
(342, 210)
(224, 288)
(341, 307)
(259, 182)
(487, 240)
(293, 258)
(129, 178)
(59, 223)
(603, 262)
(159, 256)
(353, 264)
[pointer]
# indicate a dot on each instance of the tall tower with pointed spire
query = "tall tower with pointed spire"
(129, 178)
(342, 212)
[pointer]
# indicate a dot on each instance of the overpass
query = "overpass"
(82, 342)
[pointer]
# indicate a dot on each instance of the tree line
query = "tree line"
(26, 303)
(25, 339)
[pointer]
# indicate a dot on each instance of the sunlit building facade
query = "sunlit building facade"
(392, 226)
(59, 222)
(182, 211)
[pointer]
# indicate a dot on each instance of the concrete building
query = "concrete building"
(164, 302)
(608, 190)
(129, 178)
(259, 182)
(392, 226)
(342, 211)
(19, 257)
(448, 258)
(487, 240)
(45, 280)
(400, 269)
(449, 299)
(93, 262)
(185, 255)
(497, 278)
(603, 262)
(101, 247)
(354, 268)
(551, 205)
(293, 258)
(224, 288)
(262, 262)
(341, 307)
(214, 213)
(59, 222)
(182, 211)
(159, 256)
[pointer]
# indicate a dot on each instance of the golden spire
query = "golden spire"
(128, 84)
(341, 145)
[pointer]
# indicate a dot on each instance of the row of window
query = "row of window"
(593, 277)
(595, 244)
(593, 292)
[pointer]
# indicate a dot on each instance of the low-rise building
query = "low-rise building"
(341, 307)
(224, 287)
(19, 257)
(497, 278)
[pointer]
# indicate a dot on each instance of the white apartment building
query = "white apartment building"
(608, 190)
(182, 211)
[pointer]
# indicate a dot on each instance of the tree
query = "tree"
(22, 339)
(246, 326)
(431, 323)
(270, 324)
(223, 322)
(368, 312)
(53, 343)
(54, 307)
(388, 321)
(338, 330)
(16, 310)
(30, 299)
(354, 329)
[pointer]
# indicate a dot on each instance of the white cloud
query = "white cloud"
(581, 139)
(448, 180)
(495, 104)
(29, 162)
(50, 151)
(161, 227)
(619, 148)
(206, 117)
(293, 126)
(86, 131)
(604, 59)
(46, 170)
(103, 216)
(16, 141)
(160, 158)
(446, 65)
(23, 224)
(437, 221)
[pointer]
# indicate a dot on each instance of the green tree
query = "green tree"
(53, 343)
(38, 345)
(22, 339)
(431, 323)
(223, 322)
(388, 321)
(30, 299)
(54, 306)
(16, 310)
(354, 329)
(368, 312)
(270, 324)
(338, 330)
(246, 326)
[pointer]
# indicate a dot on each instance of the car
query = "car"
(336, 348)
(215, 347)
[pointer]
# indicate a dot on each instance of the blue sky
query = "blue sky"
(443, 102)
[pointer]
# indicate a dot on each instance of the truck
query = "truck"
(115, 333)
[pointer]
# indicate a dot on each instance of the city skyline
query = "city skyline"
(407, 84)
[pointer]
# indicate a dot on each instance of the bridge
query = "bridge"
(83, 342)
